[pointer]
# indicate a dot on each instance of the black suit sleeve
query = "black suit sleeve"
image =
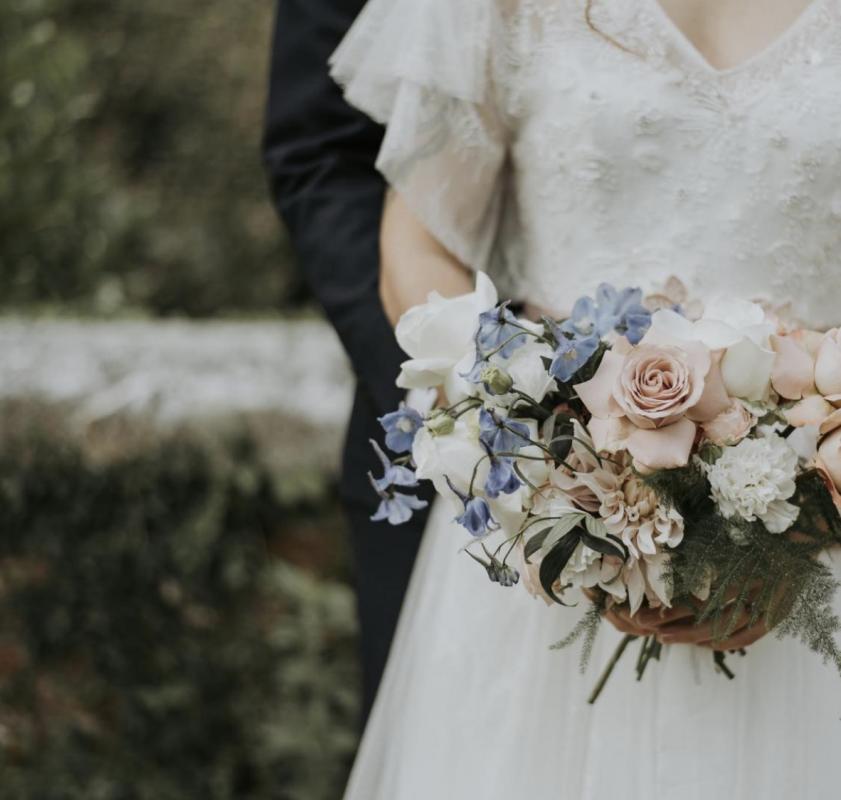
(320, 153)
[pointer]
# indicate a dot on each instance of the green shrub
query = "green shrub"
(157, 642)
(130, 172)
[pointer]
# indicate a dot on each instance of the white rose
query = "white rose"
(439, 333)
(739, 328)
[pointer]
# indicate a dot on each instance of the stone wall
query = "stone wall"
(285, 385)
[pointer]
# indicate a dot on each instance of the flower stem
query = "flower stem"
(719, 659)
(608, 670)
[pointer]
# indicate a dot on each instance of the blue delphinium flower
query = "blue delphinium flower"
(395, 475)
(622, 312)
(572, 352)
(500, 434)
(586, 320)
(502, 479)
(400, 428)
(611, 310)
(499, 330)
(395, 507)
(476, 517)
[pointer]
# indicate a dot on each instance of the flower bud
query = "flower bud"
(440, 423)
(496, 380)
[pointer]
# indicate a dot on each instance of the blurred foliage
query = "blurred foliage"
(156, 640)
(130, 173)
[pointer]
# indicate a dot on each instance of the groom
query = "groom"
(319, 153)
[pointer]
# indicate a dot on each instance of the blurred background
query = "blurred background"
(175, 614)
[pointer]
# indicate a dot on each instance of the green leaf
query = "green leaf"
(536, 542)
(603, 546)
(555, 560)
(562, 527)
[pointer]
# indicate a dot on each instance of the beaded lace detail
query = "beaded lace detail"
(575, 160)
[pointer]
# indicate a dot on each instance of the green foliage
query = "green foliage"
(158, 643)
(775, 578)
(130, 171)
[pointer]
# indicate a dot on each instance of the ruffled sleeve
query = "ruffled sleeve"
(423, 69)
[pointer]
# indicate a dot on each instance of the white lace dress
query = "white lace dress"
(554, 158)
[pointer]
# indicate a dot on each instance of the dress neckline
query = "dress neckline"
(768, 51)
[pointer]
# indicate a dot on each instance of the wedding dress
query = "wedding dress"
(557, 157)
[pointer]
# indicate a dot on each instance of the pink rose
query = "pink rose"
(807, 368)
(658, 385)
(829, 462)
(648, 399)
(730, 426)
(828, 365)
(793, 373)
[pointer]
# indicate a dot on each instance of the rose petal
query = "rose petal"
(597, 393)
(811, 410)
(810, 341)
(823, 471)
(746, 369)
(663, 448)
(832, 422)
(829, 457)
(828, 364)
(668, 326)
(793, 375)
(609, 434)
(717, 335)
(714, 400)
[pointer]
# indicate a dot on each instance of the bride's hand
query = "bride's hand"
(677, 626)
(744, 633)
(646, 622)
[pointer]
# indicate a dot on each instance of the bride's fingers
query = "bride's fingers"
(657, 617)
(743, 638)
(623, 625)
(683, 633)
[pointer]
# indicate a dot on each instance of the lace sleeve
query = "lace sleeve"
(422, 68)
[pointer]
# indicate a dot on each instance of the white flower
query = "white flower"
(452, 456)
(438, 334)
(739, 328)
(528, 371)
(455, 456)
(754, 480)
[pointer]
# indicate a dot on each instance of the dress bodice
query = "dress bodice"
(579, 157)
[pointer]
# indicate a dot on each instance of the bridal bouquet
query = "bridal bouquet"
(645, 449)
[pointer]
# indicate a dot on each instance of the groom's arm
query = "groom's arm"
(320, 153)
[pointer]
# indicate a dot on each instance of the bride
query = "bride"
(557, 144)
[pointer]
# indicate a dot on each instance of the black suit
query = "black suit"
(320, 153)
